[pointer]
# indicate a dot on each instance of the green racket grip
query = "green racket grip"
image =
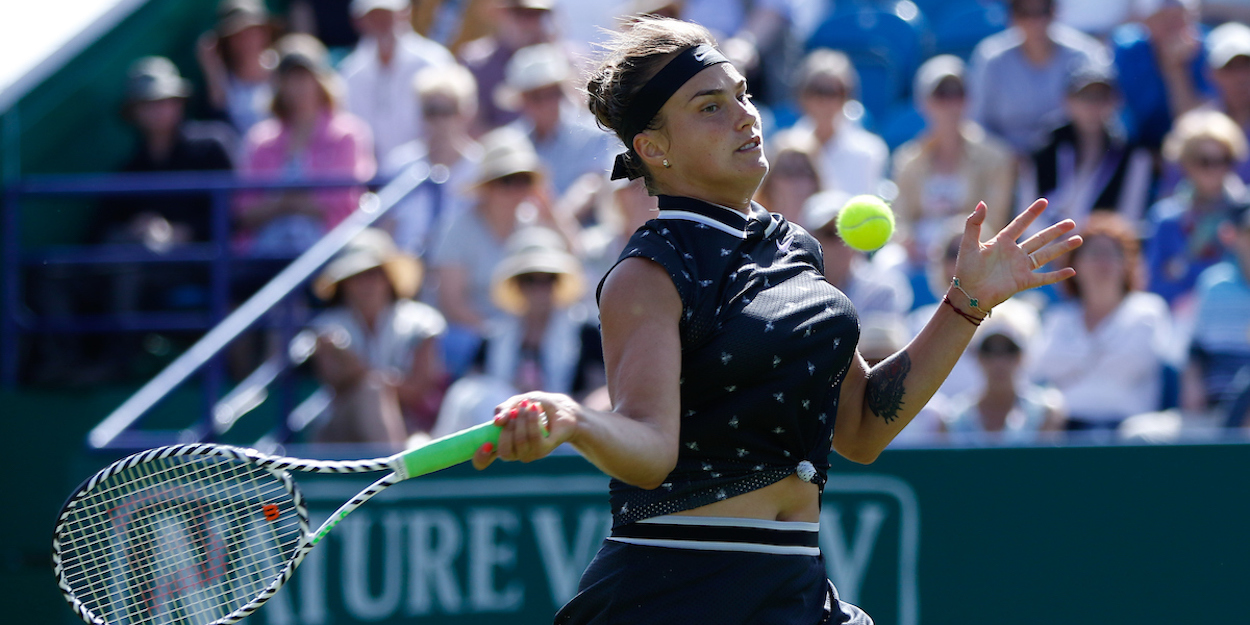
(447, 451)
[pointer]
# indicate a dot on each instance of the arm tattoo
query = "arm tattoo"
(885, 386)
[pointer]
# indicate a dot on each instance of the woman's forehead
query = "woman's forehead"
(720, 76)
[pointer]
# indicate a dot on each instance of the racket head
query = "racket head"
(190, 534)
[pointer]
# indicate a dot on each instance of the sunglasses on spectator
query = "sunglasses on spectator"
(826, 91)
(1207, 161)
(439, 110)
(1036, 10)
(999, 345)
(948, 90)
(536, 279)
(543, 94)
(516, 180)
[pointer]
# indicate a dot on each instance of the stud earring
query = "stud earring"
(667, 164)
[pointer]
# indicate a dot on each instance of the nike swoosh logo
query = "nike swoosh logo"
(784, 246)
(700, 53)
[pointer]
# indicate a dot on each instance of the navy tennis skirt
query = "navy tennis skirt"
(684, 570)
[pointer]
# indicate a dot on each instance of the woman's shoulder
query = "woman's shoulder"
(264, 133)
(1146, 304)
(411, 316)
(341, 125)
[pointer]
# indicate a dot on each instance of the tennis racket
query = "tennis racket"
(204, 534)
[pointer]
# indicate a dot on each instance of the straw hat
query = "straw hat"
(371, 248)
(536, 250)
(507, 151)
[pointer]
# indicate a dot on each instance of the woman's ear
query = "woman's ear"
(648, 147)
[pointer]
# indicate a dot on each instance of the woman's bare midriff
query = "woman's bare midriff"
(791, 499)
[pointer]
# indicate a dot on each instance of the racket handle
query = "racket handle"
(447, 451)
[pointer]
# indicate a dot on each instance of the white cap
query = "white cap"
(1227, 42)
(360, 7)
(537, 66)
(822, 208)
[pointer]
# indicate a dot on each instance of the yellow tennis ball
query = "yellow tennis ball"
(865, 223)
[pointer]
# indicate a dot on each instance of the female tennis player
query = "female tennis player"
(732, 365)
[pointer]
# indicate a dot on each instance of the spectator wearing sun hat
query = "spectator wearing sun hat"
(536, 83)
(1228, 58)
(544, 342)
(517, 24)
(1088, 164)
(510, 189)
(156, 96)
(952, 165)
(376, 347)
(1008, 408)
(379, 73)
(236, 60)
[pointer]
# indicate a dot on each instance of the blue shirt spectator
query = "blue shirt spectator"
(1161, 62)
(1219, 351)
(1180, 230)
(1018, 78)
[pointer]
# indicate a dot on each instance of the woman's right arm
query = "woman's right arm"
(636, 442)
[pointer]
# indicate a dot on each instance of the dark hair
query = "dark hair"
(631, 58)
(1014, 5)
(1112, 226)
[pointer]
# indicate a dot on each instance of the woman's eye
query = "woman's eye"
(711, 108)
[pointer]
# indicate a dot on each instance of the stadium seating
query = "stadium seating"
(885, 40)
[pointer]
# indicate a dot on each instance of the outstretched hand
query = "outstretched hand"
(534, 424)
(995, 270)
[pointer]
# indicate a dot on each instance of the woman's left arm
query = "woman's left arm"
(876, 403)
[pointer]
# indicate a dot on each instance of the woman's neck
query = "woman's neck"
(948, 148)
(1099, 304)
(534, 328)
(1089, 146)
(996, 403)
(1037, 50)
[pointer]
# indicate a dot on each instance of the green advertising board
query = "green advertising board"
(1075, 535)
(478, 547)
(1033, 535)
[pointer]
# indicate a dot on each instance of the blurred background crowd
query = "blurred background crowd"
(1130, 116)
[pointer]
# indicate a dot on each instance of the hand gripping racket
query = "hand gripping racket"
(204, 534)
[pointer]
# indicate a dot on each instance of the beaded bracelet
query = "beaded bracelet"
(972, 301)
(971, 319)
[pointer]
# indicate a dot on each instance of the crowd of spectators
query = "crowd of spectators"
(1131, 119)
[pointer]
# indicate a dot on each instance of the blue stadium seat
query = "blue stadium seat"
(959, 25)
(886, 40)
(900, 124)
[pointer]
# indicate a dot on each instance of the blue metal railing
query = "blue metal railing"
(115, 431)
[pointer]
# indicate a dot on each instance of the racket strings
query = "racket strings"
(185, 539)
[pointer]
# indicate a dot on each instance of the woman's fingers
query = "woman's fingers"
(523, 435)
(1054, 250)
(1022, 221)
(1039, 240)
(972, 230)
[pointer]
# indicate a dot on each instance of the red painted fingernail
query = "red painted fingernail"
(512, 415)
(500, 420)
(525, 404)
(488, 447)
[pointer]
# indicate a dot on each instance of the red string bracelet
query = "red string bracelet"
(971, 319)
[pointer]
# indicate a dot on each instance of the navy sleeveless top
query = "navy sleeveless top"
(765, 345)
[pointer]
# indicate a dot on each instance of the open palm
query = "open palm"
(995, 270)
